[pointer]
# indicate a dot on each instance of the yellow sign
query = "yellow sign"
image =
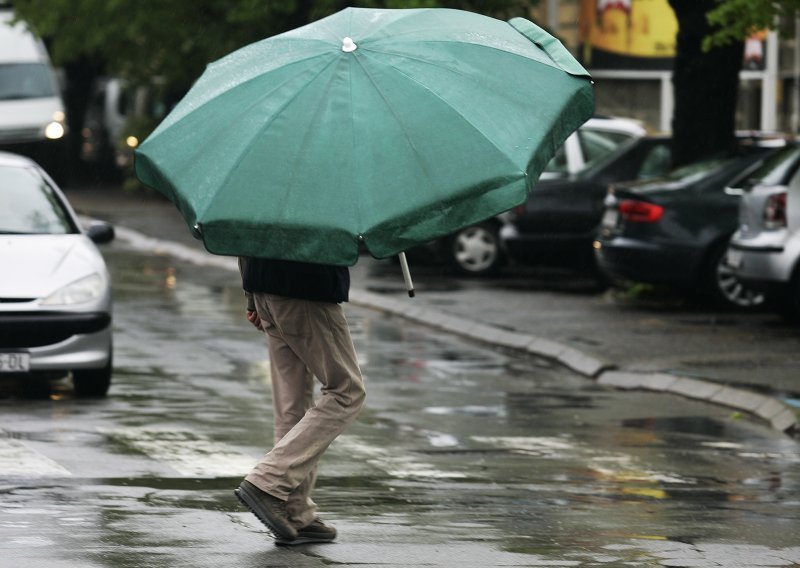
(630, 34)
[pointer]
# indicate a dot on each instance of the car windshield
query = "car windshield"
(25, 81)
(776, 170)
(28, 205)
(597, 144)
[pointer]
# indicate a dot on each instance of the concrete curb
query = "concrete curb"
(778, 414)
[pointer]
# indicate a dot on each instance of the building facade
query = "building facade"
(629, 45)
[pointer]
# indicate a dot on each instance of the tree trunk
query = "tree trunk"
(706, 86)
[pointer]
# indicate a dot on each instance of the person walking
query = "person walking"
(298, 306)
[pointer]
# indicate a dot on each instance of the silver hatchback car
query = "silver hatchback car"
(765, 250)
(55, 291)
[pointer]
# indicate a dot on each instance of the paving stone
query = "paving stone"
(545, 348)
(582, 363)
(770, 409)
(738, 398)
(785, 421)
(694, 388)
(621, 379)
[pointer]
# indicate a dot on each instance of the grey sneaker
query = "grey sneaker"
(316, 531)
(270, 510)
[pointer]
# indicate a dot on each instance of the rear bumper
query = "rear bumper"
(639, 261)
(563, 249)
(764, 259)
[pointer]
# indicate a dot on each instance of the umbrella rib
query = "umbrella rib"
(445, 67)
(434, 93)
(224, 92)
(266, 125)
(397, 118)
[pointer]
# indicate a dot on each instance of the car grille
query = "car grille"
(36, 329)
(17, 135)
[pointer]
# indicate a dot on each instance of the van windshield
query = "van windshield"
(25, 81)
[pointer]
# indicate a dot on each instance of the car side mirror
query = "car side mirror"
(100, 232)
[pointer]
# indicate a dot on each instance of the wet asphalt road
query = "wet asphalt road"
(463, 456)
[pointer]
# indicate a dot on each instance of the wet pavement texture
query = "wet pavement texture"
(463, 456)
(656, 331)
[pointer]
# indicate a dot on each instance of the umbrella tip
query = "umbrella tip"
(348, 45)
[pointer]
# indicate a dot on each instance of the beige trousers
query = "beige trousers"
(305, 340)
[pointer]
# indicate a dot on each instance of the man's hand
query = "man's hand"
(253, 318)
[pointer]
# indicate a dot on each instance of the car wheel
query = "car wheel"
(790, 302)
(725, 288)
(92, 382)
(476, 250)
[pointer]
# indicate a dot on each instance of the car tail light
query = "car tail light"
(775, 211)
(640, 211)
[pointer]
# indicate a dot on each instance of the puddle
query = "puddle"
(702, 425)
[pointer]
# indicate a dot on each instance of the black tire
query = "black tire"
(476, 250)
(790, 302)
(92, 382)
(723, 288)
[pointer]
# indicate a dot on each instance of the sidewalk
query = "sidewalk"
(748, 362)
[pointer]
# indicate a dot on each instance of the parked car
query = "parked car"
(675, 230)
(55, 293)
(478, 249)
(764, 253)
(559, 222)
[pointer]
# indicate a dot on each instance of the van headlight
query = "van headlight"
(54, 131)
(84, 290)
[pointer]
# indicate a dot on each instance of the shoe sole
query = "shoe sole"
(303, 540)
(277, 533)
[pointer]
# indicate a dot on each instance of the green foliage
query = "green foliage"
(735, 20)
(174, 40)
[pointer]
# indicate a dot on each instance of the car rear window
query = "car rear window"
(776, 170)
(28, 205)
(696, 171)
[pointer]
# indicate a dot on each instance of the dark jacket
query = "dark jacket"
(302, 280)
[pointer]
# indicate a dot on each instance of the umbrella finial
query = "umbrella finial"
(348, 45)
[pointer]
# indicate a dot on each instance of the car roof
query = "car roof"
(614, 124)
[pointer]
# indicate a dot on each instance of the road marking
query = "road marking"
(17, 459)
(188, 453)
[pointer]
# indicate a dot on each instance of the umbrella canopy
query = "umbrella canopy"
(383, 127)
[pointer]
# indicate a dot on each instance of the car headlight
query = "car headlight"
(84, 290)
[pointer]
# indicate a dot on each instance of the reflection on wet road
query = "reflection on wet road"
(462, 457)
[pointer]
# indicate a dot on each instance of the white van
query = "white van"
(32, 118)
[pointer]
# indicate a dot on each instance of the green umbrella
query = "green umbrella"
(381, 128)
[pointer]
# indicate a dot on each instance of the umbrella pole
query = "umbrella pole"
(406, 274)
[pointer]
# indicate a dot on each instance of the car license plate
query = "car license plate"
(15, 362)
(734, 258)
(610, 218)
